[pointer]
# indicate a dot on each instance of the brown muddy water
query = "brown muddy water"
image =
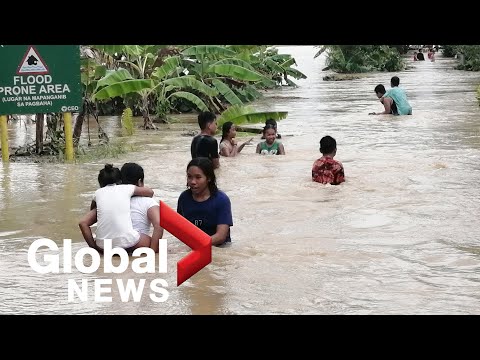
(401, 236)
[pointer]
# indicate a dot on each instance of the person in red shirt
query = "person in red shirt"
(326, 170)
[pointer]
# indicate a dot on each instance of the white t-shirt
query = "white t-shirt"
(113, 216)
(139, 205)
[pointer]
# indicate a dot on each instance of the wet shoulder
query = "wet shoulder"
(327, 160)
(224, 144)
(186, 194)
(144, 201)
(221, 196)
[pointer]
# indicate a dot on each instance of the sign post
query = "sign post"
(4, 139)
(67, 125)
(41, 79)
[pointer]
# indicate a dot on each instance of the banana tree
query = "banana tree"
(165, 83)
(219, 67)
(239, 71)
(168, 81)
(231, 71)
(203, 75)
(138, 61)
(276, 67)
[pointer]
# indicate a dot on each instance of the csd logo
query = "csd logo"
(69, 108)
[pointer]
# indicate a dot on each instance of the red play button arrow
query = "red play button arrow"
(190, 235)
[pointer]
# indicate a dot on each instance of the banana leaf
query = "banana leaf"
(235, 61)
(248, 93)
(122, 88)
(266, 83)
(136, 50)
(191, 82)
(320, 52)
(272, 65)
(192, 98)
(226, 92)
(110, 49)
(208, 49)
(243, 48)
(281, 57)
(291, 83)
(235, 72)
(168, 67)
(295, 73)
(240, 114)
(114, 76)
(289, 63)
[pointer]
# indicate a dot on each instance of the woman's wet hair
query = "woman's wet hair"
(206, 165)
(328, 145)
(226, 129)
(132, 173)
(109, 175)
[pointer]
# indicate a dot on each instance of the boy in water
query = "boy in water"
(326, 170)
(204, 144)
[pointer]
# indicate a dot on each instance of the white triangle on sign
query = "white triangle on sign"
(32, 63)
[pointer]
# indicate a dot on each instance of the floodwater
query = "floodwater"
(400, 236)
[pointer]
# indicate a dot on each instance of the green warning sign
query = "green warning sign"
(40, 79)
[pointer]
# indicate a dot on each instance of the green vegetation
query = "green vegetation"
(449, 50)
(246, 114)
(104, 151)
(471, 53)
(161, 79)
(127, 122)
(469, 58)
(362, 58)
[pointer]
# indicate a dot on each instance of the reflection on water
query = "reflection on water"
(399, 237)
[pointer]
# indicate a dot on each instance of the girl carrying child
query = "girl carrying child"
(112, 202)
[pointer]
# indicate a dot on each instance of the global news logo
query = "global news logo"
(170, 220)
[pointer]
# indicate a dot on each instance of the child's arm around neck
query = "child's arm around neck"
(143, 191)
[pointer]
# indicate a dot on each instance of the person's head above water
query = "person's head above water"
(270, 133)
(271, 122)
(328, 145)
(207, 121)
(394, 81)
(132, 173)
(200, 175)
(228, 128)
(109, 175)
(380, 90)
